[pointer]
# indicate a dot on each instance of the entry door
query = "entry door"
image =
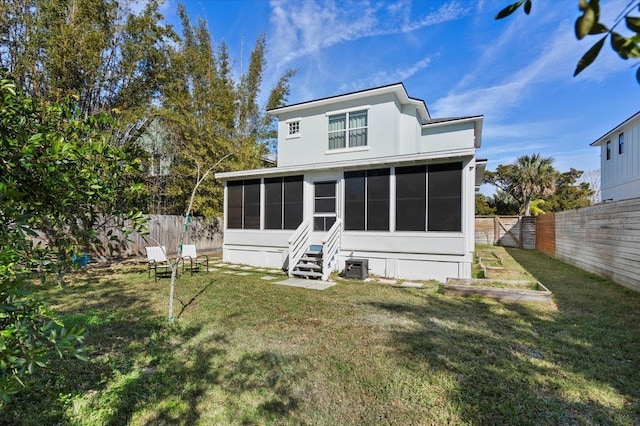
(324, 205)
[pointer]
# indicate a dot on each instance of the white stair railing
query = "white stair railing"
(298, 244)
(330, 247)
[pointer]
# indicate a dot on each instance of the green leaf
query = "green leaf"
(585, 23)
(598, 28)
(588, 58)
(638, 75)
(625, 47)
(633, 23)
(509, 10)
(527, 7)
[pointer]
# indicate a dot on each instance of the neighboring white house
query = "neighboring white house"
(364, 175)
(620, 161)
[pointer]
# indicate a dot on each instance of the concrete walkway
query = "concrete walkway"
(302, 283)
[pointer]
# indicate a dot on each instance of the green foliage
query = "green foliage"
(60, 177)
(569, 194)
(528, 178)
(505, 204)
(536, 207)
(483, 206)
(95, 50)
(588, 23)
(531, 182)
(210, 116)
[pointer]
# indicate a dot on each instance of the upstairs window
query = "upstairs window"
(348, 130)
(621, 144)
(608, 150)
(293, 128)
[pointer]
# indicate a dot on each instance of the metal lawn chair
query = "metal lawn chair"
(157, 260)
(191, 260)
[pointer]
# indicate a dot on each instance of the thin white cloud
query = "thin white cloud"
(303, 28)
(384, 77)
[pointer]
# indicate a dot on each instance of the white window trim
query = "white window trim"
(343, 150)
(342, 111)
(295, 135)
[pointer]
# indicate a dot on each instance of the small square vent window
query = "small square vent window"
(294, 128)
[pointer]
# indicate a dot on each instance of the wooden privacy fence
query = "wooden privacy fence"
(508, 231)
(164, 230)
(603, 239)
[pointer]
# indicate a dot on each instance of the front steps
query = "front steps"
(309, 266)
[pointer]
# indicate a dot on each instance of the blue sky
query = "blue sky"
(517, 72)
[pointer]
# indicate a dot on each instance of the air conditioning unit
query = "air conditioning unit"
(356, 268)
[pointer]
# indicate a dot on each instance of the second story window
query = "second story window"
(621, 144)
(608, 150)
(348, 130)
(293, 128)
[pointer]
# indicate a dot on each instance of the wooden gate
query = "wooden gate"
(507, 231)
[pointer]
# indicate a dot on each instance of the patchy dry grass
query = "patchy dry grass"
(246, 351)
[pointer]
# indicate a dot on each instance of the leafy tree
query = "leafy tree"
(505, 204)
(210, 115)
(483, 206)
(569, 194)
(536, 206)
(59, 179)
(588, 23)
(530, 177)
(95, 50)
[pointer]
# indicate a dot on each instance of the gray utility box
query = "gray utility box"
(356, 268)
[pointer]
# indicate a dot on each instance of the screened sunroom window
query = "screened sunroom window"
(243, 204)
(348, 130)
(366, 200)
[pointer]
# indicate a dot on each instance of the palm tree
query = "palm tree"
(530, 177)
(536, 179)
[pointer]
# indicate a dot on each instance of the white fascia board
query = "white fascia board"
(459, 154)
(477, 126)
(607, 136)
(481, 166)
(398, 89)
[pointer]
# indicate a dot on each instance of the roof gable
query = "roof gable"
(397, 88)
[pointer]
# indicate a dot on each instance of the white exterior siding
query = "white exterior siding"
(620, 175)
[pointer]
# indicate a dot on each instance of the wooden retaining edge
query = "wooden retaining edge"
(500, 294)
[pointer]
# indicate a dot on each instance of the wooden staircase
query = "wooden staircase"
(310, 265)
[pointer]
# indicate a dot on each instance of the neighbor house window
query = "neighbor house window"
(366, 200)
(621, 144)
(429, 198)
(243, 204)
(608, 150)
(348, 130)
(293, 128)
(283, 202)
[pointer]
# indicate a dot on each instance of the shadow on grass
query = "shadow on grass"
(528, 363)
(142, 370)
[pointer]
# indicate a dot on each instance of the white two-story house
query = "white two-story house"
(364, 175)
(620, 160)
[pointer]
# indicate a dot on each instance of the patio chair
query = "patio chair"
(191, 260)
(157, 260)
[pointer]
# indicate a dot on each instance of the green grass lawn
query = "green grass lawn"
(246, 351)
